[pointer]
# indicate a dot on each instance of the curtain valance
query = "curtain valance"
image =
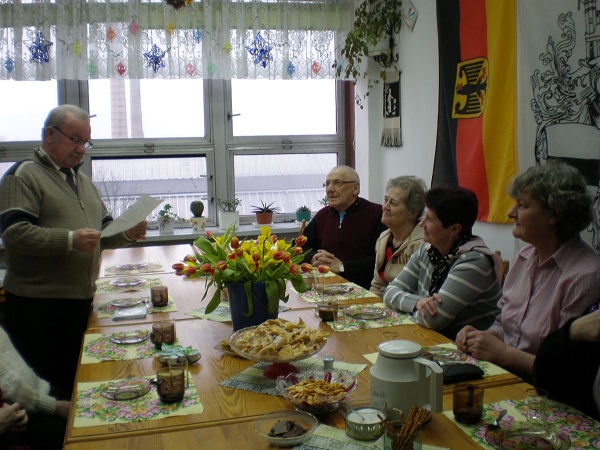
(224, 39)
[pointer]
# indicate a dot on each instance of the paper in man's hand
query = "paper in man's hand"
(135, 214)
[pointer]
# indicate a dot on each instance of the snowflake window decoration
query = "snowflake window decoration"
(260, 51)
(154, 58)
(40, 49)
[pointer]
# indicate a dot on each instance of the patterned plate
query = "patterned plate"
(337, 289)
(127, 302)
(367, 313)
(129, 337)
(127, 282)
(523, 435)
(126, 389)
(132, 266)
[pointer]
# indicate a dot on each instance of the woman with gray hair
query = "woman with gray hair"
(552, 280)
(403, 206)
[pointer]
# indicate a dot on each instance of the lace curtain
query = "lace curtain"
(140, 39)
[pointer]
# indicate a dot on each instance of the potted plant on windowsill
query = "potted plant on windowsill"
(166, 219)
(229, 214)
(198, 220)
(264, 213)
(303, 213)
(376, 22)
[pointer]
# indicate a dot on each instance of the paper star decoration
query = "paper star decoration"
(40, 48)
(198, 35)
(291, 69)
(9, 65)
(260, 50)
(154, 58)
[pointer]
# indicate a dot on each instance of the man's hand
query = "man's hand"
(486, 346)
(461, 338)
(85, 239)
(138, 232)
(12, 418)
(323, 257)
(427, 305)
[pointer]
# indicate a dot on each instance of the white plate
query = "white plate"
(127, 282)
(127, 302)
(132, 266)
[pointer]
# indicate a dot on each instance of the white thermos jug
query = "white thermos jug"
(402, 378)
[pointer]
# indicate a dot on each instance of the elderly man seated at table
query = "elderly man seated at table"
(552, 280)
(402, 210)
(453, 279)
(343, 234)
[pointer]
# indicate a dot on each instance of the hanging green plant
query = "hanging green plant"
(375, 20)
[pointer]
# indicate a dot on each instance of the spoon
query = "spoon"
(496, 423)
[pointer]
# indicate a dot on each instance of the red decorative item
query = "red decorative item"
(134, 27)
(110, 34)
(120, 68)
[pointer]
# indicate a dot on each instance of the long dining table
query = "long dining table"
(227, 412)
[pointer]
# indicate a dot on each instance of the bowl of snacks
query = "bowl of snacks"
(285, 428)
(280, 342)
(317, 391)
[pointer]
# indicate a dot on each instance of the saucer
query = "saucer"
(126, 389)
(337, 289)
(523, 435)
(367, 313)
(132, 266)
(127, 282)
(127, 302)
(129, 337)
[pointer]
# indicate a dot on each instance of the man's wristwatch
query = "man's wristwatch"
(341, 269)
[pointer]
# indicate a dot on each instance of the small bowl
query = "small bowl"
(265, 423)
(324, 404)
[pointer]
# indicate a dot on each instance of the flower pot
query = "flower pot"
(238, 305)
(226, 218)
(166, 226)
(303, 215)
(198, 223)
(264, 218)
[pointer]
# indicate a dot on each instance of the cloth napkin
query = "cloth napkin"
(148, 268)
(91, 409)
(582, 430)
(106, 310)
(252, 379)
(103, 286)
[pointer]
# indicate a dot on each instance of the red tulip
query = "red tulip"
(178, 267)
(278, 255)
(205, 268)
(323, 269)
(191, 258)
(221, 265)
(179, 273)
(235, 242)
(287, 257)
(301, 240)
(191, 270)
(295, 269)
(306, 267)
(209, 234)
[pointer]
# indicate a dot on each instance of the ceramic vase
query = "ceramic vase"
(226, 218)
(238, 305)
(166, 226)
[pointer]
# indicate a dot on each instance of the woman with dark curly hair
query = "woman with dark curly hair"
(453, 279)
(552, 280)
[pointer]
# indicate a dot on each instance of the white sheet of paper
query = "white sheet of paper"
(135, 214)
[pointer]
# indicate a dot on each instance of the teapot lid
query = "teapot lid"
(399, 349)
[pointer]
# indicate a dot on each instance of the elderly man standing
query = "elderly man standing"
(343, 234)
(51, 215)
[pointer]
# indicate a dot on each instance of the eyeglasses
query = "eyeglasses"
(76, 141)
(336, 183)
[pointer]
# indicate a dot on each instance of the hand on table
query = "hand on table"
(323, 257)
(483, 345)
(427, 305)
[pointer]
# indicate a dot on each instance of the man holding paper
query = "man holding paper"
(51, 218)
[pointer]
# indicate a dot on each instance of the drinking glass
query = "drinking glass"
(536, 402)
(170, 384)
(318, 287)
(467, 403)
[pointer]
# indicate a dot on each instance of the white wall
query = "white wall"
(419, 100)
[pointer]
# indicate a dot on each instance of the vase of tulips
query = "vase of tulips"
(254, 272)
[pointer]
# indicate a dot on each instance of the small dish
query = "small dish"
(129, 337)
(132, 266)
(368, 313)
(127, 302)
(264, 427)
(523, 435)
(337, 289)
(126, 389)
(127, 282)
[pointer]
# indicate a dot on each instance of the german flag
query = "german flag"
(477, 115)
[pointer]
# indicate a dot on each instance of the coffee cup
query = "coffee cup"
(170, 384)
(162, 333)
(467, 403)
